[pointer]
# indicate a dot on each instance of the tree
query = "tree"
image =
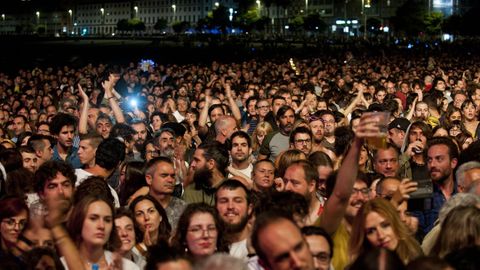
(161, 24)
(261, 24)
(136, 24)
(433, 23)
(122, 25)
(247, 21)
(180, 27)
(203, 24)
(313, 22)
(220, 18)
(409, 18)
(296, 23)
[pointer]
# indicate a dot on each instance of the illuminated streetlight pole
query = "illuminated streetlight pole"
(259, 8)
(306, 6)
(38, 17)
(217, 4)
(136, 11)
(102, 10)
(174, 11)
(70, 13)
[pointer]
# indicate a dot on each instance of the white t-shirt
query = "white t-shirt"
(239, 249)
(82, 175)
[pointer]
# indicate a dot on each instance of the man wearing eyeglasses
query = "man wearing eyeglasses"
(301, 139)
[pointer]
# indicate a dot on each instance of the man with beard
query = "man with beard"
(301, 139)
(160, 177)
(209, 165)
(277, 142)
(442, 158)
(62, 128)
(140, 137)
(233, 202)
(328, 119)
(318, 128)
(301, 178)
(53, 179)
(240, 151)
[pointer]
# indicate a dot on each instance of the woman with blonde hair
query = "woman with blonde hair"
(286, 158)
(258, 135)
(378, 225)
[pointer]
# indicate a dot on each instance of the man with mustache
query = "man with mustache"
(234, 204)
(277, 142)
(328, 119)
(140, 137)
(160, 177)
(442, 159)
(62, 128)
(208, 166)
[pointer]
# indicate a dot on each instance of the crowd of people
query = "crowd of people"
(252, 165)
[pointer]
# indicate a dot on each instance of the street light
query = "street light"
(3, 17)
(136, 11)
(174, 11)
(217, 4)
(365, 4)
(306, 6)
(70, 12)
(102, 10)
(259, 7)
(38, 16)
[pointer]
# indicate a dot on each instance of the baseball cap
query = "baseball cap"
(399, 123)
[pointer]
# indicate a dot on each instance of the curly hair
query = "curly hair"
(49, 170)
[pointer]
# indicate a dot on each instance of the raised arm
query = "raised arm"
(202, 119)
(337, 203)
(233, 105)
(57, 212)
(112, 101)
(83, 123)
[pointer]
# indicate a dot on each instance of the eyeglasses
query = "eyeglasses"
(263, 107)
(304, 141)
(154, 153)
(198, 231)
(364, 191)
(12, 223)
(322, 256)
